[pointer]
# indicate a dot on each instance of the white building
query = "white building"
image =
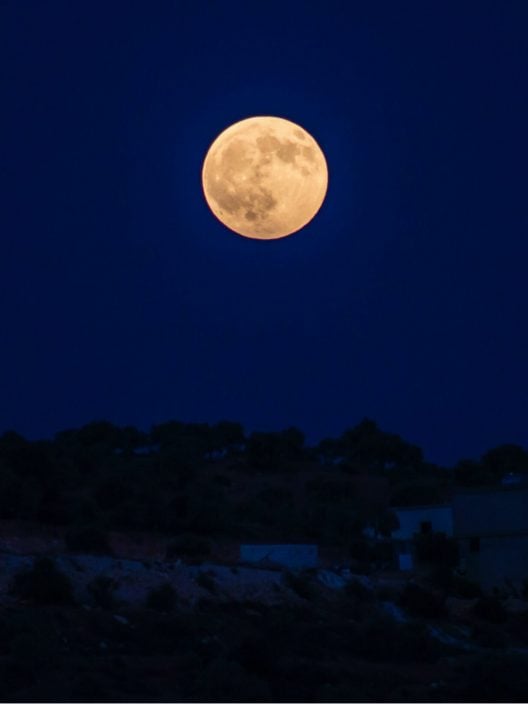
(491, 528)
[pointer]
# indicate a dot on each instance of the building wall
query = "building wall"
(497, 559)
(501, 511)
(440, 517)
(292, 556)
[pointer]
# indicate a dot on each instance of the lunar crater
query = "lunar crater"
(265, 177)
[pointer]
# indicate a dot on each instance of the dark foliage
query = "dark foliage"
(179, 479)
(162, 598)
(385, 640)
(275, 451)
(490, 608)
(422, 602)
(437, 549)
(464, 588)
(207, 581)
(300, 583)
(43, 584)
(102, 589)
(498, 677)
(188, 546)
(87, 539)
(358, 591)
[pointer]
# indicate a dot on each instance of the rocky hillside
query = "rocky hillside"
(84, 627)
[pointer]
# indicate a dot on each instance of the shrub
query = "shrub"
(188, 546)
(300, 584)
(8, 630)
(102, 590)
(368, 552)
(43, 584)
(226, 681)
(421, 602)
(489, 635)
(518, 627)
(162, 598)
(496, 677)
(464, 588)
(385, 640)
(37, 650)
(206, 581)
(524, 590)
(437, 549)
(88, 538)
(490, 608)
(358, 591)
(222, 480)
(257, 655)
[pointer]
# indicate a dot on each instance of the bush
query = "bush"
(385, 640)
(518, 627)
(369, 552)
(358, 591)
(489, 635)
(162, 598)
(102, 591)
(421, 602)
(226, 681)
(300, 584)
(89, 538)
(464, 588)
(490, 608)
(37, 650)
(222, 480)
(43, 584)
(188, 546)
(206, 581)
(524, 590)
(437, 549)
(496, 677)
(257, 655)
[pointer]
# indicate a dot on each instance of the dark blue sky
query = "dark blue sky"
(405, 300)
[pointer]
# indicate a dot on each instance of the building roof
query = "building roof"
(491, 512)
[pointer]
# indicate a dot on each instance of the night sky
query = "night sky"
(405, 300)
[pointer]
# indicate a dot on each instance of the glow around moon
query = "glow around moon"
(265, 177)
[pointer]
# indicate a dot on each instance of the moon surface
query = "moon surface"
(265, 177)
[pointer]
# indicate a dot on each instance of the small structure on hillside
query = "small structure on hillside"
(293, 556)
(419, 520)
(491, 528)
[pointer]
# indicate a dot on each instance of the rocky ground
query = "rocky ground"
(233, 632)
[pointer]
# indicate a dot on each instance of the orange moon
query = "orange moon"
(265, 177)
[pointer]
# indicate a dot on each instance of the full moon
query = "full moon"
(264, 177)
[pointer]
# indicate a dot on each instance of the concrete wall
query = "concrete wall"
(441, 518)
(498, 559)
(292, 556)
(501, 511)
